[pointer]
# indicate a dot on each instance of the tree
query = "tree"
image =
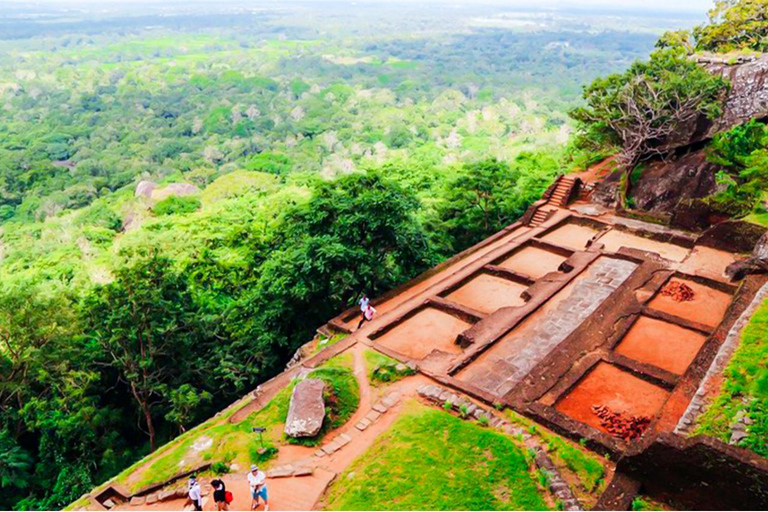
(33, 321)
(479, 201)
(638, 111)
(144, 321)
(356, 234)
(734, 25)
(15, 463)
(185, 402)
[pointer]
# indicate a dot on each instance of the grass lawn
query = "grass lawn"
(587, 467)
(431, 460)
(745, 387)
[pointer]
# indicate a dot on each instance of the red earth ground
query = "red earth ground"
(619, 390)
(661, 344)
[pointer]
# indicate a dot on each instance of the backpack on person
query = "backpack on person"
(228, 497)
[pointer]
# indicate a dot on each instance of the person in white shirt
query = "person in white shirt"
(364, 302)
(257, 481)
(194, 493)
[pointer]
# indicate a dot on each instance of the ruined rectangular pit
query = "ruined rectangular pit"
(418, 335)
(615, 239)
(707, 306)
(608, 385)
(661, 344)
(534, 260)
(574, 233)
(486, 292)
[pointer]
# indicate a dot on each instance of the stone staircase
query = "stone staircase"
(543, 213)
(562, 192)
(558, 199)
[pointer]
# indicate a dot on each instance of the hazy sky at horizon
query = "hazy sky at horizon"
(646, 5)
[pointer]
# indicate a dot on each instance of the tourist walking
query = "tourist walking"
(220, 495)
(257, 481)
(364, 301)
(194, 493)
(368, 313)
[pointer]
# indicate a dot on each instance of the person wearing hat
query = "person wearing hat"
(257, 481)
(194, 493)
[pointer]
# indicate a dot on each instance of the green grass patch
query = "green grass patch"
(745, 386)
(383, 369)
(327, 342)
(230, 443)
(431, 460)
(646, 503)
(585, 466)
(237, 443)
(588, 467)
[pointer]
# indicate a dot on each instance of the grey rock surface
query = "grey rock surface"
(307, 409)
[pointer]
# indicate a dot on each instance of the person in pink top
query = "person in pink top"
(368, 313)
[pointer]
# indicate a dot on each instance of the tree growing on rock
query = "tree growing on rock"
(636, 112)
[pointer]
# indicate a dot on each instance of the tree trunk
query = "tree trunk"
(150, 427)
(145, 409)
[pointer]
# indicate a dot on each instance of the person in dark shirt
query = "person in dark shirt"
(220, 495)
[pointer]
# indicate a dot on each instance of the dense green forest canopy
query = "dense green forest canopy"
(324, 151)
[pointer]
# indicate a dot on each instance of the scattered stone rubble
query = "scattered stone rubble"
(740, 427)
(161, 495)
(557, 485)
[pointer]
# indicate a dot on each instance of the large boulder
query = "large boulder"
(760, 251)
(175, 189)
(664, 185)
(145, 188)
(756, 264)
(307, 409)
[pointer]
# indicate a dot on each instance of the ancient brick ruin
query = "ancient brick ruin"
(599, 326)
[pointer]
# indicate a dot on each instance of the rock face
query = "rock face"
(307, 409)
(746, 99)
(761, 248)
(175, 189)
(756, 264)
(664, 185)
(145, 188)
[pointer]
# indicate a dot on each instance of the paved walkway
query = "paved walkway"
(503, 366)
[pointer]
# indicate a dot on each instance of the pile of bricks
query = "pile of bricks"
(626, 428)
(677, 291)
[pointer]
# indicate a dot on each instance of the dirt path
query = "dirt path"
(303, 493)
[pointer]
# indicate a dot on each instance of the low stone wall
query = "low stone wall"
(724, 354)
